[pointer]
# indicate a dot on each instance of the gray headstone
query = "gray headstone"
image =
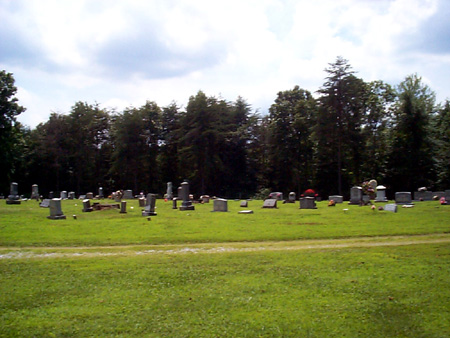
(391, 207)
(142, 202)
(336, 198)
(174, 203)
(355, 195)
(308, 203)
(244, 204)
(50, 195)
(149, 209)
(90, 195)
(169, 192)
(63, 195)
(423, 195)
(35, 192)
(71, 195)
(87, 205)
(128, 194)
(292, 197)
(270, 203)
(55, 209)
(13, 197)
(100, 192)
(205, 198)
(123, 207)
(381, 194)
(187, 203)
(403, 198)
(245, 212)
(220, 204)
(276, 195)
(45, 203)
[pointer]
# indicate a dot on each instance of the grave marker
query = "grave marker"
(403, 198)
(55, 209)
(270, 203)
(149, 209)
(308, 203)
(220, 204)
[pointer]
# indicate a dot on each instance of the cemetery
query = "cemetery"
(80, 257)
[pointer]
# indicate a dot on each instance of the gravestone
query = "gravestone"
(100, 193)
(90, 195)
(403, 198)
(447, 195)
(123, 207)
(169, 192)
(423, 195)
(187, 203)
(128, 194)
(205, 198)
(55, 209)
(276, 195)
(355, 195)
(390, 207)
(336, 198)
(63, 195)
(149, 209)
(270, 203)
(45, 203)
(71, 195)
(142, 202)
(438, 195)
(87, 205)
(381, 194)
(220, 204)
(291, 198)
(308, 203)
(244, 204)
(51, 195)
(245, 212)
(174, 203)
(34, 192)
(13, 197)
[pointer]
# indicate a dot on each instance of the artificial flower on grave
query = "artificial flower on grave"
(369, 188)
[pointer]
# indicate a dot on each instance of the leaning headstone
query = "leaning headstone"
(308, 203)
(336, 198)
(220, 204)
(169, 193)
(270, 203)
(149, 209)
(87, 205)
(381, 194)
(123, 207)
(128, 194)
(390, 207)
(55, 209)
(423, 195)
(187, 203)
(355, 195)
(244, 204)
(34, 192)
(45, 203)
(403, 198)
(13, 197)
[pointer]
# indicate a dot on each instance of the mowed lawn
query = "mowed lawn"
(394, 291)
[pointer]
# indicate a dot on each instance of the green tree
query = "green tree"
(10, 130)
(339, 129)
(442, 145)
(411, 153)
(292, 119)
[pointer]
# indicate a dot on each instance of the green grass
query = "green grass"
(27, 225)
(370, 292)
(296, 283)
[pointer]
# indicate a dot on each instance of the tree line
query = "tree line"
(350, 132)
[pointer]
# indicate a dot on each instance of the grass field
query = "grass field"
(275, 273)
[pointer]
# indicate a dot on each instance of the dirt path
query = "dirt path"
(212, 248)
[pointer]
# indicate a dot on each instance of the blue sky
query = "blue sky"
(120, 53)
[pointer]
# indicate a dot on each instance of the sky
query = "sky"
(122, 53)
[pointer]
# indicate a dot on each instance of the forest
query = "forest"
(347, 132)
